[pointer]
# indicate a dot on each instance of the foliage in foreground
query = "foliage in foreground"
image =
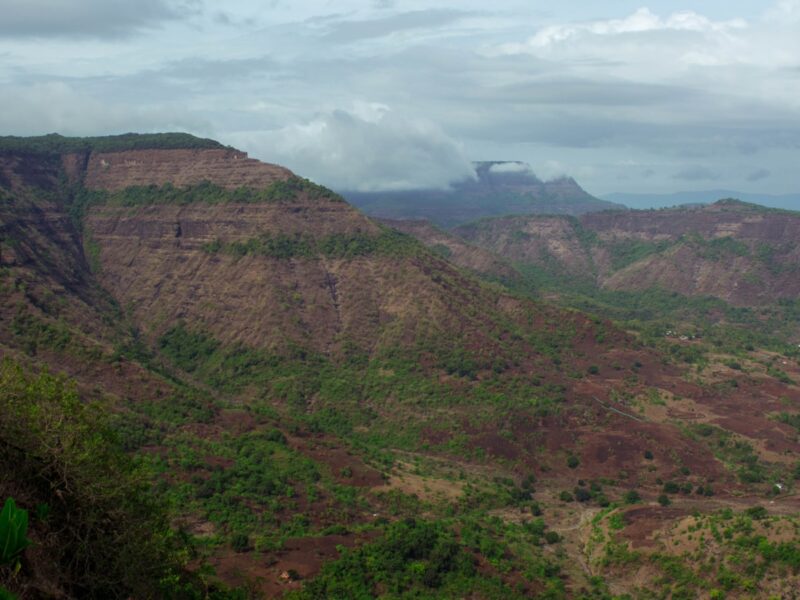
(97, 524)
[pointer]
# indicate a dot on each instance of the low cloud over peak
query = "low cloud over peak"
(367, 148)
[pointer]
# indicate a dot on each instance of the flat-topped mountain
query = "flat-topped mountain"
(498, 188)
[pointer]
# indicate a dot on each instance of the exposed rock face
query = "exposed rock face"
(153, 259)
(455, 249)
(730, 250)
(226, 168)
(530, 240)
(19, 170)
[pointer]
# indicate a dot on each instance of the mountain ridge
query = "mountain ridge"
(646, 201)
(499, 187)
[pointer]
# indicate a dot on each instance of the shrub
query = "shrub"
(648, 455)
(552, 537)
(240, 542)
(412, 556)
(757, 513)
(565, 496)
(664, 500)
(671, 487)
(573, 462)
(582, 494)
(602, 500)
(593, 370)
(631, 497)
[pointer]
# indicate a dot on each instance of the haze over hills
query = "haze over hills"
(333, 409)
(645, 201)
(499, 188)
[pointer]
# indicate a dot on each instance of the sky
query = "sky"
(625, 96)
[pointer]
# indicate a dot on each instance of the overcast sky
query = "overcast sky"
(390, 94)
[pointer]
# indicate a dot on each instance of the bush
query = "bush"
(240, 542)
(565, 496)
(582, 494)
(104, 534)
(648, 455)
(671, 487)
(664, 500)
(757, 513)
(412, 559)
(631, 497)
(573, 462)
(552, 537)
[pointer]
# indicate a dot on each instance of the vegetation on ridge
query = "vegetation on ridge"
(54, 143)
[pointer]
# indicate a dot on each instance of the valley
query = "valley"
(310, 403)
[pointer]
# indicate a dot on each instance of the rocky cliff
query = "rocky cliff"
(227, 168)
(741, 253)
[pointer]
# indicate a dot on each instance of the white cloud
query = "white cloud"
(367, 148)
(511, 167)
(58, 107)
(643, 20)
(552, 169)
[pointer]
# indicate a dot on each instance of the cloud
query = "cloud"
(86, 18)
(696, 173)
(759, 174)
(641, 21)
(354, 30)
(60, 108)
(511, 167)
(368, 148)
(213, 70)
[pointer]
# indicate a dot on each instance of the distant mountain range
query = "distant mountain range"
(786, 201)
(499, 188)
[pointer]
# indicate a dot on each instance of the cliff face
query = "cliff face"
(533, 240)
(468, 256)
(154, 260)
(161, 263)
(23, 170)
(226, 168)
(736, 252)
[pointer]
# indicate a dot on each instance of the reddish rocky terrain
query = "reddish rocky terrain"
(227, 168)
(743, 254)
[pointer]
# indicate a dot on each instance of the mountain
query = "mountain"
(322, 406)
(499, 188)
(645, 201)
(742, 253)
